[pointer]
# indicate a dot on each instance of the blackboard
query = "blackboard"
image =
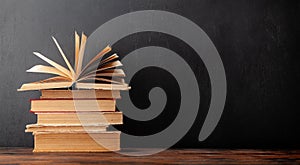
(256, 40)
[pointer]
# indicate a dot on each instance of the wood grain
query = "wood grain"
(172, 156)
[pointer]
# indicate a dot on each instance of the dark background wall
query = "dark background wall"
(256, 39)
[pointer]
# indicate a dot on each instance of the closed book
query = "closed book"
(71, 128)
(76, 142)
(73, 105)
(84, 118)
(115, 94)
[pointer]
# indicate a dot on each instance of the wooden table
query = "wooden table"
(171, 156)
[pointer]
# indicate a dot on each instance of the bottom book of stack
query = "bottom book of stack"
(73, 138)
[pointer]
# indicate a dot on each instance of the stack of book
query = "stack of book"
(76, 107)
(64, 127)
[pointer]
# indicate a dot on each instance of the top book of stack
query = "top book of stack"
(101, 75)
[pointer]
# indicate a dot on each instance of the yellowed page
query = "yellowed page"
(102, 86)
(65, 58)
(39, 86)
(77, 42)
(56, 65)
(99, 55)
(107, 73)
(81, 54)
(108, 59)
(46, 69)
(106, 66)
(114, 80)
(55, 79)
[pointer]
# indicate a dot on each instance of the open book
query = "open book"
(95, 75)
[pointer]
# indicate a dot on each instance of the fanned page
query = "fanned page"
(98, 56)
(56, 79)
(81, 54)
(112, 73)
(54, 64)
(46, 69)
(77, 47)
(53, 82)
(101, 66)
(108, 59)
(114, 80)
(95, 75)
(65, 58)
(102, 86)
(104, 67)
(39, 85)
(106, 73)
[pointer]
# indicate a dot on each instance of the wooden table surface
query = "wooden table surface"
(171, 156)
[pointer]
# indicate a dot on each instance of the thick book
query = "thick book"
(76, 142)
(65, 128)
(99, 73)
(73, 105)
(99, 94)
(84, 118)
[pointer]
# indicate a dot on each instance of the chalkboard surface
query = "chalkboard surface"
(257, 42)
